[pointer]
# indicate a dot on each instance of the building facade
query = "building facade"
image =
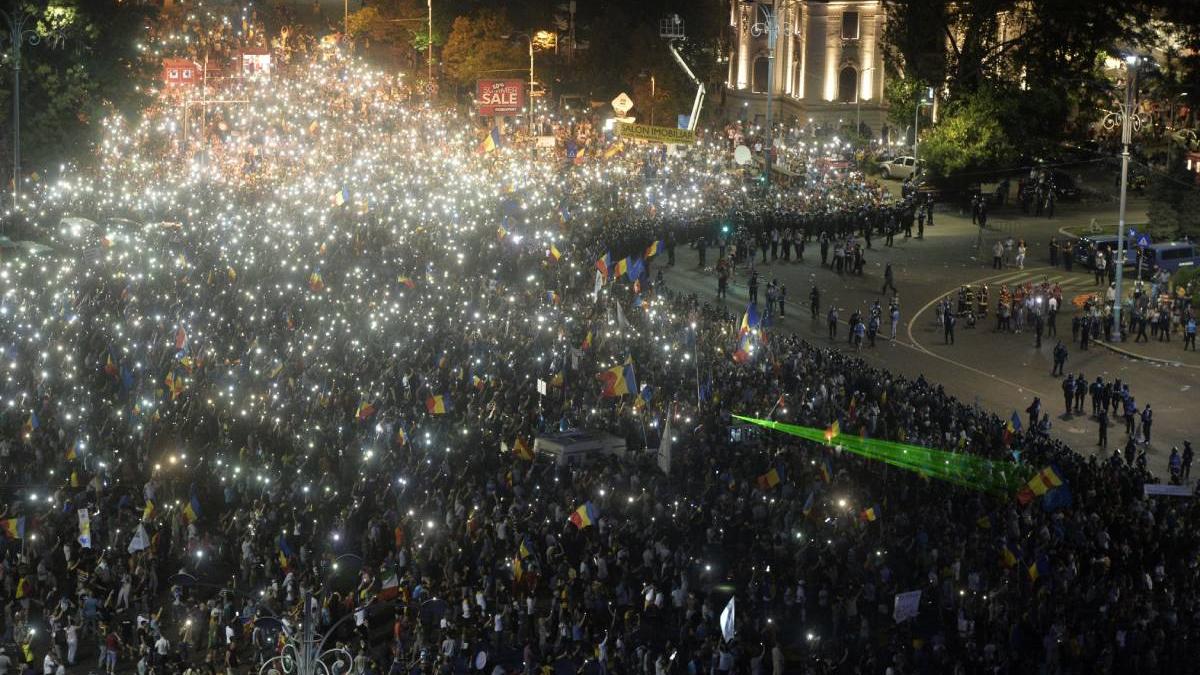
(828, 63)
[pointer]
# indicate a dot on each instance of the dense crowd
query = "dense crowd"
(288, 370)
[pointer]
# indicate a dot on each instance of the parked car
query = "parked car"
(901, 167)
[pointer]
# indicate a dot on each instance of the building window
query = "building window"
(849, 25)
(187, 74)
(761, 71)
(848, 85)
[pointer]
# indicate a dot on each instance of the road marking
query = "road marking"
(922, 348)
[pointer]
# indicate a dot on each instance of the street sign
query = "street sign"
(1143, 241)
(622, 103)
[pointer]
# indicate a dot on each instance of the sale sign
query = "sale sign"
(500, 97)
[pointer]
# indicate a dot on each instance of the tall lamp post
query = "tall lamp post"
(927, 100)
(429, 48)
(17, 33)
(768, 26)
(1129, 122)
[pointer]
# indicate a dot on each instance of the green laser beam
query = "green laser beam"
(970, 471)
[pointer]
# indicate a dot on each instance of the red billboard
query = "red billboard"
(500, 97)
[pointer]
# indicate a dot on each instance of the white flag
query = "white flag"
(621, 322)
(664, 445)
(907, 605)
(85, 529)
(597, 286)
(727, 621)
(140, 541)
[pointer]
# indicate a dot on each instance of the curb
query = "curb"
(1143, 357)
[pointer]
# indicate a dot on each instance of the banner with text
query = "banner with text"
(500, 97)
(645, 132)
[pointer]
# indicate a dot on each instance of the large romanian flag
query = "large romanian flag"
(585, 515)
(191, 510)
(618, 380)
(491, 142)
(1042, 482)
(437, 405)
(13, 528)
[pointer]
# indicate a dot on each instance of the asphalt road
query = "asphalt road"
(1002, 372)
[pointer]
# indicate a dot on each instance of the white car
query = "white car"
(901, 167)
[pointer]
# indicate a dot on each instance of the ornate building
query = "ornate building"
(828, 62)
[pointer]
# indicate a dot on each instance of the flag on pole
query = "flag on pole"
(491, 142)
(585, 515)
(191, 510)
(437, 405)
(1042, 482)
(618, 380)
(13, 528)
(727, 621)
(140, 541)
(521, 449)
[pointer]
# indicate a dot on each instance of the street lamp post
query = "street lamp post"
(917, 123)
(1129, 121)
(768, 26)
(429, 49)
(17, 33)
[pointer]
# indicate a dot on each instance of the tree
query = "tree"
(970, 138)
(477, 47)
(85, 67)
(1174, 208)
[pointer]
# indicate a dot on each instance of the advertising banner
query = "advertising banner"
(645, 132)
(500, 97)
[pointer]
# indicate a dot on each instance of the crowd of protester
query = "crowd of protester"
(289, 382)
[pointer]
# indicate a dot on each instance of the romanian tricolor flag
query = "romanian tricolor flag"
(110, 367)
(587, 342)
(478, 382)
(501, 232)
(832, 431)
(653, 249)
(553, 298)
(1042, 482)
(401, 437)
(618, 380)
(769, 479)
(518, 570)
(491, 142)
(871, 514)
(437, 405)
(585, 515)
(809, 503)
(826, 471)
(604, 264)
(340, 197)
(365, 411)
(148, 510)
(1008, 557)
(181, 339)
(13, 528)
(407, 282)
(316, 282)
(526, 548)
(521, 449)
(191, 510)
(174, 385)
(555, 253)
(71, 453)
(622, 267)
(1039, 568)
(32, 424)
